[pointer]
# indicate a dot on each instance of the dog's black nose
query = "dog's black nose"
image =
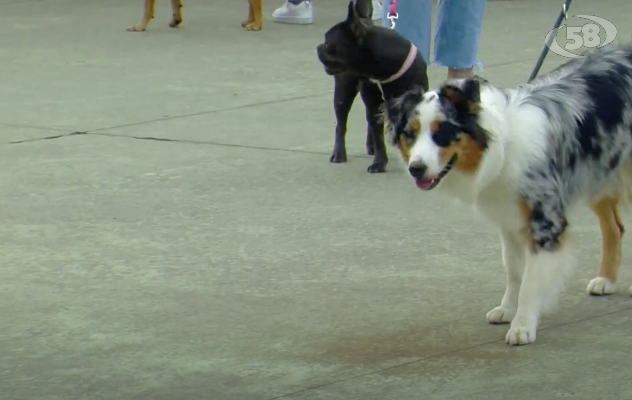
(417, 171)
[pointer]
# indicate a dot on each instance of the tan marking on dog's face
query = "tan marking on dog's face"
(404, 149)
(434, 126)
(469, 153)
(414, 126)
(405, 142)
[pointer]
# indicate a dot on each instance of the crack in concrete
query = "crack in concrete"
(207, 112)
(215, 111)
(157, 139)
(63, 135)
(99, 131)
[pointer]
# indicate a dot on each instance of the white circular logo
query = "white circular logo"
(586, 35)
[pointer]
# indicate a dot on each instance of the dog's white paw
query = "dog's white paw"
(601, 286)
(520, 335)
(501, 315)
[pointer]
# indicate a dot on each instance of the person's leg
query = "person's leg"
(458, 31)
(414, 22)
(294, 12)
(377, 10)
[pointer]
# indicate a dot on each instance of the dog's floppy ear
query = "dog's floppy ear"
(356, 23)
(466, 98)
(454, 95)
(364, 8)
(472, 89)
(401, 109)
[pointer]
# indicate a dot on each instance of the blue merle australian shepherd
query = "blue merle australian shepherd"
(524, 158)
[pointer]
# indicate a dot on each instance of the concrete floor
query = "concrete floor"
(172, 228)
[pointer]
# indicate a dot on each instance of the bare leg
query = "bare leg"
(176, 5)
(147, 16)
(459, 73)
(255, 16)
(251, 16)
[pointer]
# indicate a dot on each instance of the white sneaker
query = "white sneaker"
(294, 13)
(377, 11)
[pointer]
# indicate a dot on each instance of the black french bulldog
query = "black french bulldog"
(369, 59)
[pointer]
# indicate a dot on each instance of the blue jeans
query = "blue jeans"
(457, 33)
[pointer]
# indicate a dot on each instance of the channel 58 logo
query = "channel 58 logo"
(598, 33)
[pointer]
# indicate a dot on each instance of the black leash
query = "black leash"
(545, 50)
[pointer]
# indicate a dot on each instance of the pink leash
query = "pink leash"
(392, 13)
(412, 54)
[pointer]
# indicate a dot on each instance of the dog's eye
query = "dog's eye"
(404, 139)
(410, 140)
(445, 133)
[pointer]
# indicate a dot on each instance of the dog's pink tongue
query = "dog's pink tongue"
(424, 183)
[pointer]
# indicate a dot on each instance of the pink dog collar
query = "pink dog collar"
(409, 61)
